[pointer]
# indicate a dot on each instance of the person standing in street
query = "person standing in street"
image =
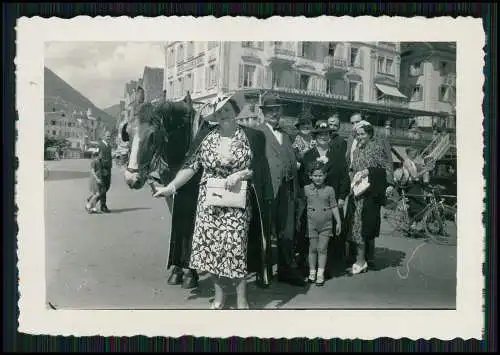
(95, 183)
(106, 165)
(283, 169)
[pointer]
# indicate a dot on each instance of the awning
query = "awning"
(390, 90)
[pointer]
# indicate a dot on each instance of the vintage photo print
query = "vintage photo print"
(287, 177)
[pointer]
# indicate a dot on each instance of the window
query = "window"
(331, 48)
(171, 88)
(352, 91)
(248, 75)
(307, 50)
(330, 86)
(416, 69)
(304, 82)
(54, 132)
(53, 122)
(53, 109)
(171, 58)
(188, 85)
(385, 65)
(353, 59)
(416, 94)
(443, 93)
(211, 78)
(277, 79)
(247, 44)
(180, 87)
(78, 144)
(190, 49)
(180, 53)
(389, 69)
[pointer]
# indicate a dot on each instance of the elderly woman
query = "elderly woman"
(228, 242)
(371, 176)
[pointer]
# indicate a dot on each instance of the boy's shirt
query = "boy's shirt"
(320, 198)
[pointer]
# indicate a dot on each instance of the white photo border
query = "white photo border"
(466, 322)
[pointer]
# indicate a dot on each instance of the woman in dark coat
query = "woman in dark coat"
(368, 161)
(227, 241)
(337, 176)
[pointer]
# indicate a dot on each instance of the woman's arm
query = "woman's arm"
(182, 177)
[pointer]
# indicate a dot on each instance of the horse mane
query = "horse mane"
(169, 118)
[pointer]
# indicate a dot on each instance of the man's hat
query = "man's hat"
(270, 100)
(321, 126)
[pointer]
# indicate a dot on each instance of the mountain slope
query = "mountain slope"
(56, 87)
(113, 111)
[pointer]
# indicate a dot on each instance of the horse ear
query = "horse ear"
(124, 134)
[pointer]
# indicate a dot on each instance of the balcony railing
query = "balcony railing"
(281, 54)
(388, 45)
(334, 65)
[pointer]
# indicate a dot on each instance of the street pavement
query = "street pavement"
(117, 260)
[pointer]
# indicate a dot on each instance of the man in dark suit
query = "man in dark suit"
(107, 164)
(283, 169)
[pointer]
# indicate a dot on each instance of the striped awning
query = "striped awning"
(390, 90)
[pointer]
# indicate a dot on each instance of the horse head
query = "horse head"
(159, 137)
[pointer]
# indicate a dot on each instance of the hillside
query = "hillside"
(113, 111)
(55, 87)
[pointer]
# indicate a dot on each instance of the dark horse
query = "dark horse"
(159, 139)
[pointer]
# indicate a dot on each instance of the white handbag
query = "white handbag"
(360, 185)
(218, 195)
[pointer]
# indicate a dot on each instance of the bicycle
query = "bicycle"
(437, 220)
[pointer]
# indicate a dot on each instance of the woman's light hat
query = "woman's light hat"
(361, 124)
(236, 100)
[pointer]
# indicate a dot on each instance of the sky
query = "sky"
(100, 70)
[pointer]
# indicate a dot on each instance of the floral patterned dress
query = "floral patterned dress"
(370, 155)
(221, 233)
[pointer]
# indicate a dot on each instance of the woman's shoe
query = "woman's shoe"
(217, 306)
(320, 280)
(356, 269)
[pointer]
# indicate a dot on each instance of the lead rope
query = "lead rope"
(171, 223)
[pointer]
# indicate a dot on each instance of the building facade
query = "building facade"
(60, 124)
(152, 82)
(358, 71)
(428, 76)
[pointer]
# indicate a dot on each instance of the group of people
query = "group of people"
(100, 176)
(306, 194)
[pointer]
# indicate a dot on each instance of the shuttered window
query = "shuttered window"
(247, 76)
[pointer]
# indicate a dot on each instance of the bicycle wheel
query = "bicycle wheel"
(441, 225)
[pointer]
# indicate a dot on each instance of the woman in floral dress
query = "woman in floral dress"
(221, 234)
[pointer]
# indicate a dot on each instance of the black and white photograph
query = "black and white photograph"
(265, 175)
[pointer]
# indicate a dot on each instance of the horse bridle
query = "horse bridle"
(155, 153)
